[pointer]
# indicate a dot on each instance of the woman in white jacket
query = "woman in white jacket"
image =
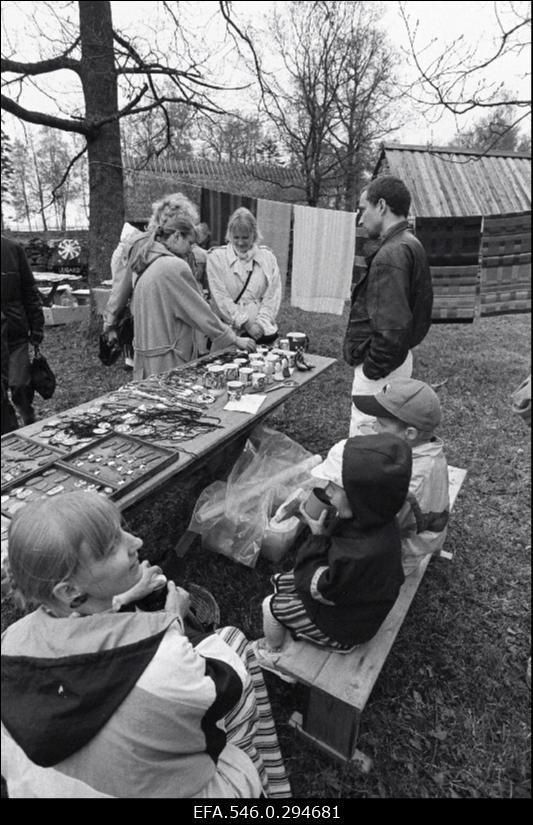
(244, 280)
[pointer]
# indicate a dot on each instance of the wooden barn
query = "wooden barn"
(472, 212)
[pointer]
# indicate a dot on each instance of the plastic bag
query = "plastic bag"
(232, 516)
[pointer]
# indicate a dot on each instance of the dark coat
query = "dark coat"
(21, 302)
(391, 305)
(348, 581)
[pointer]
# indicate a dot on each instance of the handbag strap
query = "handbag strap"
(241, 293)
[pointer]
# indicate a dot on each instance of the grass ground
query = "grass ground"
(449, 716)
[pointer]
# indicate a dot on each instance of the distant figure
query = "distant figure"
(203, 234)
(22, 306)
(392, 302)
(244, 280)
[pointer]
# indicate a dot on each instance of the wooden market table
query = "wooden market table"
(193, 454)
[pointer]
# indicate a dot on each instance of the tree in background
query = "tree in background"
(94, 50)
(38, 185)
(7, 171)
(334, 98)
(496, 131)
(456, 79)
(149, 134)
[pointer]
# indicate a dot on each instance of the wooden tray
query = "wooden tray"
(22, 457)
(119, 461)
(48, 482)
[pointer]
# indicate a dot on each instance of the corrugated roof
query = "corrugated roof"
(446, 182)
(164, 175)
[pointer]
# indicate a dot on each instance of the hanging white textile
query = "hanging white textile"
(322, 259)
(274, 224)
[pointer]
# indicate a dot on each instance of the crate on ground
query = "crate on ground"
(57, 315)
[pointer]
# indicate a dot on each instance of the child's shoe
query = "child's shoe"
(267, 660)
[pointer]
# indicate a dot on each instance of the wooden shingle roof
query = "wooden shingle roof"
(162, 176)
(446, 181)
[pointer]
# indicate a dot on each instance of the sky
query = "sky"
(440, 22)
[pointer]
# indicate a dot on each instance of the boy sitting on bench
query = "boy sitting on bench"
(410, 409)
(346, 577)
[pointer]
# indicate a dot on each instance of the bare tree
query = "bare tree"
(234, 137)
(455, 80)
(328, 103)
(99, 54)
(496, 130)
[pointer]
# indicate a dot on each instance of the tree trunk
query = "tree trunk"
(39, 187)
(106, 193)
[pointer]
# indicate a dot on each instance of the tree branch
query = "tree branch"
(54, 64)
(43, 119)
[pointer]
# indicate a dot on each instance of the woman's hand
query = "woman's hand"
(111, 334)
(151, 579)
(315, 525)
(178, 600)
(254, 330)
(246, 343)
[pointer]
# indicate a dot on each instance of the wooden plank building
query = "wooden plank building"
(458, 193)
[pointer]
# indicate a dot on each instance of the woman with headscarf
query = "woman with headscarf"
(171, 317)
(244, 280)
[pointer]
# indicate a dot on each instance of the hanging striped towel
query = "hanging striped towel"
(274, 223)
(323, 258)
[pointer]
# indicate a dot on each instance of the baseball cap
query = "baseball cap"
(406, 399)
(331, 468)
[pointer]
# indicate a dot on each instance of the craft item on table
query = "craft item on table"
(48, 482)
(119, 461)
(22, 457)
(246, 403)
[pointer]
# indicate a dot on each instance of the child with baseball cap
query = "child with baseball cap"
(346, 577)
(410, 409)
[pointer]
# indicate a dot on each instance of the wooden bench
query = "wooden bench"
(339, 685)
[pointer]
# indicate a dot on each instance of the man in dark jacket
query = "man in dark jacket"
(392, 303)
(22, 307)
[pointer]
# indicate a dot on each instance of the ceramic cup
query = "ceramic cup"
(231, 370)
(298, 341)
(259, 380)
(245, 376)
(316, 503)
(235, 389)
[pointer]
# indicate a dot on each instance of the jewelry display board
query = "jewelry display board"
(118, 461)
(48, 482)
(21, 457)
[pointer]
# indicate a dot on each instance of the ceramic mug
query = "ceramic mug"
(235, 389)
(298, 341)
(231, 370)
(245, 376)
(316, 503)
(259, 380)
